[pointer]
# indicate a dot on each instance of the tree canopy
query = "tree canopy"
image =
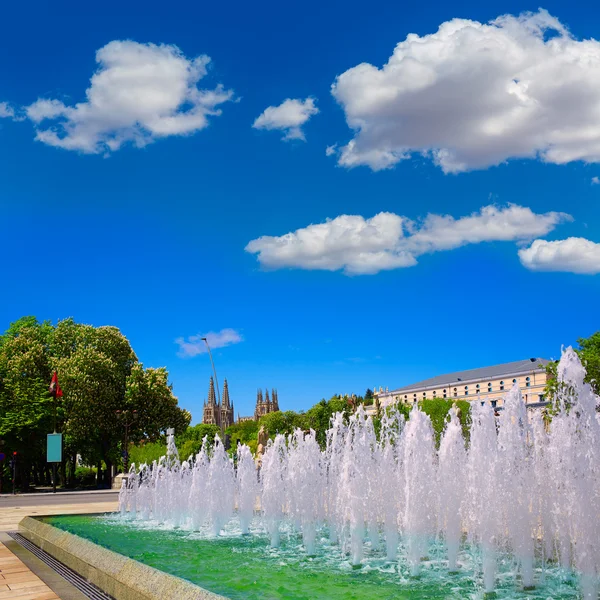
(99, 374)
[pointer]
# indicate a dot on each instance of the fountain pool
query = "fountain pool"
(246, 567)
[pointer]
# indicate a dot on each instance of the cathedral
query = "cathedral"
(215, 413)
(266, 405)
(222, 414)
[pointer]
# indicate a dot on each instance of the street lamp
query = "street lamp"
(213, 368)
(129, 418)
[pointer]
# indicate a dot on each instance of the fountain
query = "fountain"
(509, 509)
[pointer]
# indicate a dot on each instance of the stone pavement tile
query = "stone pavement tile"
(18, 582)
(41, 593)
(10, 516)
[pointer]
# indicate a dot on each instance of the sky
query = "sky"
(339, 196)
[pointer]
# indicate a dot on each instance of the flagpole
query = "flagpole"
(54, 464)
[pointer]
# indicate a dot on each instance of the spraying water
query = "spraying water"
(515, 483)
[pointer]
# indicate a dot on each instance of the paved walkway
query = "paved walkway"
(11, 515)
(18, 582)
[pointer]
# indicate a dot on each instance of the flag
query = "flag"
(54, 388)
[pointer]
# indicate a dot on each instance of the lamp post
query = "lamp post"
(213, 368)
(129, 417)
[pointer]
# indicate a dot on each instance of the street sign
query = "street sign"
(54, 448)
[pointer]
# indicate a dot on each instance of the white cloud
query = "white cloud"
(6, 111)
(595, 180)
(389, 241)
(194, 344)
(473, 95)
(574, 255)
(331, 150)
(139, 93)
(289, 117)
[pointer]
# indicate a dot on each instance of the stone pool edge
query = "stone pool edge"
(121, 577)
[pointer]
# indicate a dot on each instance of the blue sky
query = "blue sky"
(129, 212)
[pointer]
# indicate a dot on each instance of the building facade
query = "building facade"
(215, 413)
(483, 384)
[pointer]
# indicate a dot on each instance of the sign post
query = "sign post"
(54, 454)
(54, 440)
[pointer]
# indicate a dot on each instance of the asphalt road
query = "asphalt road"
(50, 499)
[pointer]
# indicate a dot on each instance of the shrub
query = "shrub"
(146, 453)
(85, 476)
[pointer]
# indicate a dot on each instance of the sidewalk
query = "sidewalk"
(18, 582)
(10, 516)
(67, 493)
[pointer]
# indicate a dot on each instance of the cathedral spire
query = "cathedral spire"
(212, 401)
(225, 402)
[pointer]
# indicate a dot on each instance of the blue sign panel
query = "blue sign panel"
(54, 447)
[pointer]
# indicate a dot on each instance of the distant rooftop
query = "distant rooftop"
(511, 368)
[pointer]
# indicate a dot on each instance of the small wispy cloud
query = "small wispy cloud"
(288, 117)
(595, 180)
(194, 344)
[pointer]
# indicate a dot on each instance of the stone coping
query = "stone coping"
(121, 577)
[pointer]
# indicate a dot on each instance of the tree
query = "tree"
(25, 405)
(589, 353)
(99, 374)
(190, 441)
(243, 432)
(319, 416)
(282, 422)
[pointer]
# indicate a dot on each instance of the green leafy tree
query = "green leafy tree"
(243, 432)
(25, 405)
(438, 410)
(319, 416)
(589, 353)
(282, 422)
(190, 441)
(99, 374)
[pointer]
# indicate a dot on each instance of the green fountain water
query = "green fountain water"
(245, 567)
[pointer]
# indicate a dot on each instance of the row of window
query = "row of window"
(466, 392)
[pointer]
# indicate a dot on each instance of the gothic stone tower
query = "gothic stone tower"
(215, 413)
(212, 411)
(266, 405)
(227, 410)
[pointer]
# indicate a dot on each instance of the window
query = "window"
(405, 397)
(444, 393)
(482, 402)
(527, 382)
(493, 403)
(514, 381)
(477, 389)
(541, 398)
(489, 387)
(424, 394)
(434, 393)
(501, 385)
